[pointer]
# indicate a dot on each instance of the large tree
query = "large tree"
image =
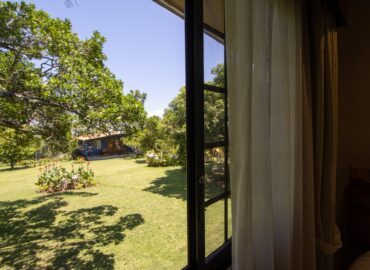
(52, 82)
(214, 112)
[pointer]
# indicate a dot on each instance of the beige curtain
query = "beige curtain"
(320, 118)
(272, 205)
(283, 87)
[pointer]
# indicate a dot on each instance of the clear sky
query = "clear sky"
(145, 44)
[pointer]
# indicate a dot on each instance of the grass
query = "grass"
(135, 218)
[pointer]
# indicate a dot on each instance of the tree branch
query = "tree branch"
(38, 101)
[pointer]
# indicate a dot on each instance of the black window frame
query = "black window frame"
(195, 88)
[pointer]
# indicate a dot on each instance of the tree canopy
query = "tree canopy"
(52, 82)
(214, 111)
(151, 137)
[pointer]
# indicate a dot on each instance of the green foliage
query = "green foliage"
(28, 163)
(219, 72)
(166, 139)
(151, 138)
(16, 146)
(214, 109)
(54, 178)
(52, 82)
(175, 124)
(138, 95)
(154, 140)
(39, 162)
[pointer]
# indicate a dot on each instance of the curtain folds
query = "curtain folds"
(282, 81)
(270, 207)
(323, 91)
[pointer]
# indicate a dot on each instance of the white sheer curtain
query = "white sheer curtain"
(273, 220)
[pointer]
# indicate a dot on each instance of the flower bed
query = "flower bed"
(54, 177)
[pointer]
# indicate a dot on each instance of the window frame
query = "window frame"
(195, 87)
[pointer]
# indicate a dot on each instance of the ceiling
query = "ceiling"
(214, 15)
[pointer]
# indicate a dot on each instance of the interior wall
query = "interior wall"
(354, 102)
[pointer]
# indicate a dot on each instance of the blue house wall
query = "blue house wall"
(104, 144)
(89, 148)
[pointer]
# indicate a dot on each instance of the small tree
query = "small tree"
(15, 147)
(151, 137)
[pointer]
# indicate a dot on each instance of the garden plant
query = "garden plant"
(53, 177)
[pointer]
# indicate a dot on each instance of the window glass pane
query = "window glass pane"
(214, 183)
(214, 226)
(214, 117)
(229, 219)
(229, 211)
(81, 145)
(97, 144)
(213, 61)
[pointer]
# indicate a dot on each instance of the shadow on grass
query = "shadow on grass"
(71, 193)
(174, 185)
(8, 169)
(39, 234)
(140, 161)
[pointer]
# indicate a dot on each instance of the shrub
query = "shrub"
(80, 160)
(161, 160)
(43, 162)
(27, 163)
(40, 162)
(54, 178)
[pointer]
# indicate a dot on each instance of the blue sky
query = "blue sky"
(145, 44)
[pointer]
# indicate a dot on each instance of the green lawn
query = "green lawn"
(135, 218)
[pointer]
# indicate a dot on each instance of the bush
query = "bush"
(161, 160)
(40, 162)
(54, 178)
(27, 163)
(80, 160)
(75, 154)
(43, 162)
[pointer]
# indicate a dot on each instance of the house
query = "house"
(95, 146)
